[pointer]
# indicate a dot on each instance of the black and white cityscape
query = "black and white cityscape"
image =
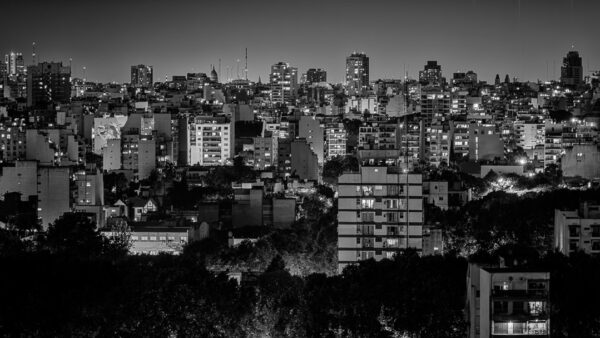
(401, 169)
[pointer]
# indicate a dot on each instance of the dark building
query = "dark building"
(214, 77)
(48, 82)
(316, 75)
(571, 72)
(461, 78)
(305, 163)
(431, 74)
(357, 72)
(141, 76)
(284, 157)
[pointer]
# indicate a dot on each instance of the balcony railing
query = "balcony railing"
(519, 293)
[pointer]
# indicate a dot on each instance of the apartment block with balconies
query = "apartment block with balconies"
(508, 302)
(578, 230)
(380, 213)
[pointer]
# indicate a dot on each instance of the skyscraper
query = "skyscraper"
(141, 76)
(431, 74)
(15, 64)
(316, 75)
(571, 72)
(284, 81)
(48, 82)
(357, 72)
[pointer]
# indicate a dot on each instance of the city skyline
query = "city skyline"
(525, 39)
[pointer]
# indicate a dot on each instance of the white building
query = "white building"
(335, 139)
(576, 230)
(210, 142)
(530, 135)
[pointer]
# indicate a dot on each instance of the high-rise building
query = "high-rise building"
(357, 72)
(463, 79)
(571, 72)
(15, 64)
(304, 161)
(316, 75)
(141, 76)
(90, 187)
(48, 82)
(335, 139)
(380, 214)
(431, 74)
(310, 129)
(438, 144)
(209, 142)
(284, 82)
(264, 152)
(138, 154)
(375, 135)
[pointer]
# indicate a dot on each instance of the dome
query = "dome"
(214, 77)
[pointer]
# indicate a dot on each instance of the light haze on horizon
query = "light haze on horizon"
(523, 38)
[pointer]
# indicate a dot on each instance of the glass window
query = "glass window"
(537, 327)
(366, 203)
(367, 190)
(368, 216)
(500, 307)
(500, 328)
(573, 230)
(535, 308)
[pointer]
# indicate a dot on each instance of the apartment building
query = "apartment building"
(576, 230)
(335, 139)
(210, 142)
(380, 214)
(507, 302)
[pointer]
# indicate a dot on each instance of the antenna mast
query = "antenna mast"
(246, 68)
(33, 57)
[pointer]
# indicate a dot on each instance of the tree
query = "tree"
(336, 166)
(75, 235)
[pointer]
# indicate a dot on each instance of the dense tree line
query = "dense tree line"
(500, 218)
(52, 295)
(72, 281)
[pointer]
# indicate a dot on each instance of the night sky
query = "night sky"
(524, 38)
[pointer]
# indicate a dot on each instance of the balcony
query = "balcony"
(520, 293)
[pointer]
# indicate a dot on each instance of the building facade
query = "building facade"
(357, 72)
(380, 214)
(335, 139)
(141, 76)
(507, 302)
(571, 72)
(48, 82)
(283, 80)
(578, 230)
